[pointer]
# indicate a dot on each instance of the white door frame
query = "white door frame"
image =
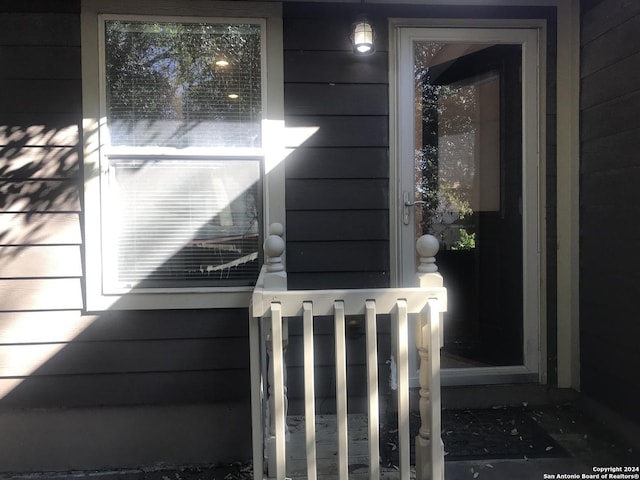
(531, 35)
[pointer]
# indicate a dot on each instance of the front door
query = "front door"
(467, 157)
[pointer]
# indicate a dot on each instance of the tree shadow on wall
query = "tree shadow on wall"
(40, 183)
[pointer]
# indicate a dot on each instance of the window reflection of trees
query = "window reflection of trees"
(164, 87)
(446, 175)
(190, 220)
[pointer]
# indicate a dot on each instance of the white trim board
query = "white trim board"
(567, 135)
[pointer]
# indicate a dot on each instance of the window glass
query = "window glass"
(173, 218)
(183, 84)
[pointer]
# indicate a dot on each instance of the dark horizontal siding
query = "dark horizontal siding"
(336, 99)
(610, 169)
(126, 389)
(339, 15)
(612, 188)
(41, 294)
(40, 213)
(325, 351)
(343, 131)
(40, 62)
(336, 184)
(362, 256)
(601, 17)
(338, 279)
(337, 194)
(350, 225)
(324, 354)
(40, 96)
(30, 162)
(60, 358)
(51, 355)
(51, 29)
(620, 115)
(304, 66)
(44, 131)
(612, 45)
(40, 195)
(323, 325)
(619, 149)
(40, 261)
(83, 358)
(338, 163)
(327, 27)
(337, 179)
(610, 82)
(39, 228)
(113, 326)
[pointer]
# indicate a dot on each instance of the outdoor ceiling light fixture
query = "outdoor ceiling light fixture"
(362, 36)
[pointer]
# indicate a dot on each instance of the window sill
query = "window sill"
(172, 300)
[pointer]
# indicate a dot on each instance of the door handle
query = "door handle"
(417, 202)
(408, 203)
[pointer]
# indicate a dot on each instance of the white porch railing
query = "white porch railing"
(273, 306)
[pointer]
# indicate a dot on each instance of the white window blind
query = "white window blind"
(185, 222)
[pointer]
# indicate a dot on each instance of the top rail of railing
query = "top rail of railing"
(272, 285)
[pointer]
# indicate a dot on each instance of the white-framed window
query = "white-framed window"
(177, 161)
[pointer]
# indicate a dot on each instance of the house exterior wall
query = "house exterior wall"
(97, 385)
(337, 191)
(610, 171)
(111, 389)
(337, 182)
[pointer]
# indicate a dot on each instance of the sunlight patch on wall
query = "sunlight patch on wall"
(31, 339)
(280, 141)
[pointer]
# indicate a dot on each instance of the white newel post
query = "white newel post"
(276, 276)
(276, 331)
(429, 446)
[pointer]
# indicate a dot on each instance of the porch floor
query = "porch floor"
(583, 445)
(327, 449)
(587, 441)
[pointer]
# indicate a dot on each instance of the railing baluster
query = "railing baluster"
(309, 390)
(429, 447)
(372, 388)
(429, 340)
(256, 397)
(403, 388)
(435, 416)
(341, 391)
(276, 452)
(423, 439)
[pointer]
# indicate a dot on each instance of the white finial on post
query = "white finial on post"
(427, 247)
(276, 229)
(274, 246)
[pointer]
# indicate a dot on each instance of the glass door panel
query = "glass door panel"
(467, 161)
(467, 156)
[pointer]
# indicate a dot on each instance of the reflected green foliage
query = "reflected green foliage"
(448, 113)
(467, 241)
